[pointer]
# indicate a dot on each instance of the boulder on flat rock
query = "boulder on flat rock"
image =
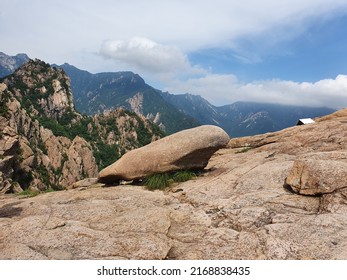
(318, 173)
(188, 149)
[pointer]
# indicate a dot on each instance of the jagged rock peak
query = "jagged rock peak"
(42, 89)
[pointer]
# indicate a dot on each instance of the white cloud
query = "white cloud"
(148, 56)
(197, 24)
(226, 89)
(190, 25)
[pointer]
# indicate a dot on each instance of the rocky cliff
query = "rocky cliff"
(279, 195)
(45, 144)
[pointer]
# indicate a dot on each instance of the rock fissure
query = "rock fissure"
(38, 250)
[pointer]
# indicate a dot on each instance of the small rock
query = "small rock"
(54, 223)
(84, 183)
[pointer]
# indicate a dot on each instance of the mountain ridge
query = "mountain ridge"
(244, 118)
(101, 92)
(237, 119)
(96, 93)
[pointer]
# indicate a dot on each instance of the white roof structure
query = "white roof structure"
(305, 121)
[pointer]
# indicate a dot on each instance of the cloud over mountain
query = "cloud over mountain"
(224, 89)
(149, 56)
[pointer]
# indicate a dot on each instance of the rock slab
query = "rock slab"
(188, 149)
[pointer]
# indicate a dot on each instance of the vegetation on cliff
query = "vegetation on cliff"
(53, 144)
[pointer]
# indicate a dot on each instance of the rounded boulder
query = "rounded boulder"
(188, 149)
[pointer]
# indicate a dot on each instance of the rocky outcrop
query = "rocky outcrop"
(185, 150)
(80, 162)
(240, 208)
(36, 158)
(136, 103)
(43, 89)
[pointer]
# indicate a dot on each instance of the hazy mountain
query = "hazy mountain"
(195, 106)
(96, 93)
(10, 63)
(243, 118)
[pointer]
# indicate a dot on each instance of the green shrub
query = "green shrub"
(105, 154)
(183, 175)
(67, 117)
(3, 104)
(44, 174)
(54, 126)
(42, 147)
(157, 181)
(244, 150)
(22, 177)
(161, 181)
(144, 136)
(29, 193)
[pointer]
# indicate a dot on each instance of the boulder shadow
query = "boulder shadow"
(9, 211)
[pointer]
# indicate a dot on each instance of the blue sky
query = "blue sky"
(289, 51)
(314, 55)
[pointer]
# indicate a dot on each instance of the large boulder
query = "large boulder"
(187, 149)
(318, 173)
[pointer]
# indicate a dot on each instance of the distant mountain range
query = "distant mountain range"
(243, 118)
(96, 93)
